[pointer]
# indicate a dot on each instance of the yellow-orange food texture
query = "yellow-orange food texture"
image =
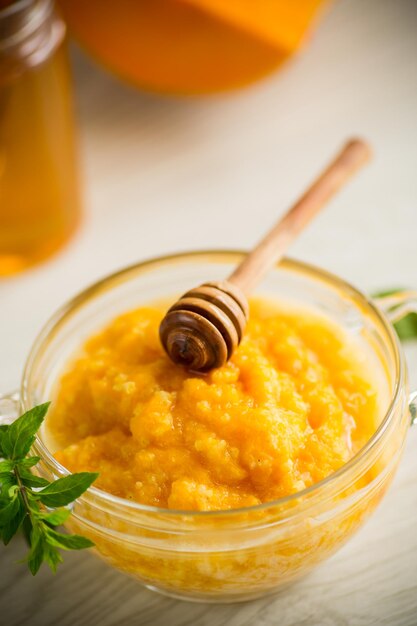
(291, 407)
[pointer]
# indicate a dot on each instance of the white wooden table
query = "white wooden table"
(161, 176)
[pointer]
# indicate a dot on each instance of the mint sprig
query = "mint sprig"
(407, 326)
(26, 499)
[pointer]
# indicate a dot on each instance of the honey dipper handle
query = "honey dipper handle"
(273, 246)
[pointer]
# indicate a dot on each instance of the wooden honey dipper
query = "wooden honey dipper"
(203, 328)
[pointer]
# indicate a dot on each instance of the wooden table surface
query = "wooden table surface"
(165, 175)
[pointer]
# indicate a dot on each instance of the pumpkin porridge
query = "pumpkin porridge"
(292, 406)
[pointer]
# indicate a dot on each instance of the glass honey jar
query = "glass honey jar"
(39, 185)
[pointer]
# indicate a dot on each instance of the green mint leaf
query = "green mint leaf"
(6, 482)
(12, 491)
(67, 489)
(29, 462)
(19, 436)
(23, 495)
(6, 466)
(9, 530)
(37, 551)
(387, 292)
(67, 542)
(56, 518)
(31, 480)
(8, 511)
(52, 557)
(406, 328)
(27, 528)
(3, 430)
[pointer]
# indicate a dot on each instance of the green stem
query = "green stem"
(23, 491)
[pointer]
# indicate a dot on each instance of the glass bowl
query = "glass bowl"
(234, 555)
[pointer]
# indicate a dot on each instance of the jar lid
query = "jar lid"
(30, 31)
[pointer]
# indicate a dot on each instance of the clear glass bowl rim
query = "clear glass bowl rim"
(307, 269)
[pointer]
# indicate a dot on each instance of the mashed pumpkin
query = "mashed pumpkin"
(291, 406)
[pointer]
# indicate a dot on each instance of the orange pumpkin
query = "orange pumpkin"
(190, 46)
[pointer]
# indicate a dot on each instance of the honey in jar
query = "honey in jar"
(39, 188)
